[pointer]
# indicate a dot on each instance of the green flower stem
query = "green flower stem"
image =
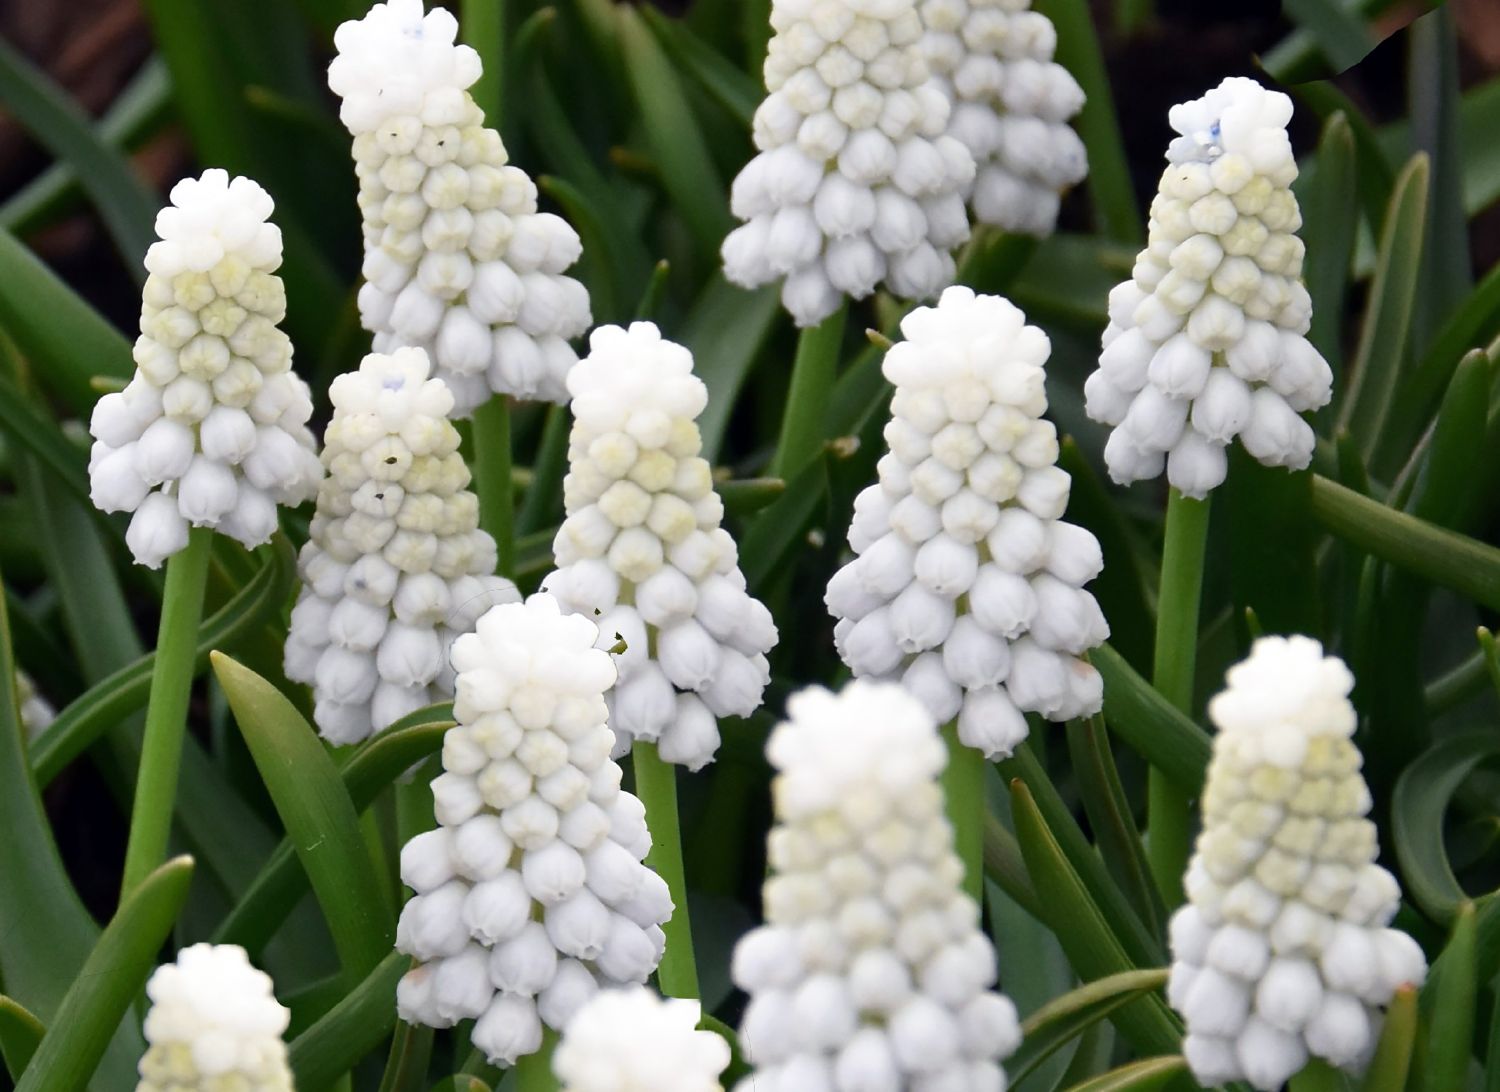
(534, 1071)
(1168, 817)
(963, 787)
(656, 785)
(813, 371)
(166, 709)
(492, 478)
(1317, 1076)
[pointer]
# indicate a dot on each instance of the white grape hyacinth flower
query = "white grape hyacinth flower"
(856, 181)
(1011, 107)
(1283, 952)
(37, 713)
(1207, 341)
(530, 894)
(967, 585)
(395, 566)
(214, 1024)
(642, 551)
(458, 260)
(634, 1041)
(211, 431)
(871, 971)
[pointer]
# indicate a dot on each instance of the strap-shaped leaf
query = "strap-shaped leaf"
(20, 1034)
(728, 84)
(1060, 1021)
(1447, 1005)
(1142, 1076)
(725, 330)
(1162, 734)
(1418, 807)
(349, 1030)
(1392, 1060)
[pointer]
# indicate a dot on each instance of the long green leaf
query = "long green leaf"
(318, 814)
(1388, 1069)
(729, 85)
(1448, 1003)
(1142, 1076)
(20, 1034)
(1476, 321)
(1162, 734)
(1339, 35)
(28, 426)
(1418, 808)
(725, 331)
(112, 977)
(1060, 1021)
(1332, 220)
(349, 1030)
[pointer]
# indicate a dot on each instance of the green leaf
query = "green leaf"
(320, 818)
(1382, 345)
(1004, 865)
(738, 1068)
(1272, 566)
(1062, 1020)
(747, 496)
(112, 977)
(1418, 807)
(1294, 59)
(1141, 1076)
(351, 1029)
(726, 83)
(1448, 1003)
(1392, 1060)
(20, 1034)
(1162, 734)
(1376, 176)
(31, 429)
(770, 539)
(1332, 221)
(1447, 489)
(1475, 322)
(1338, 34)
(725, 331)
(814, 369)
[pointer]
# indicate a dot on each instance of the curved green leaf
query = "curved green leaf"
(1137, 1076)
(350, 1029)
(1004, 865)
(20, 1034)
(320, 819)
(1473, 324)
(1061, 1020)
(1418, 807)
(112, 976)
(1392, 1060)
(1448, 1002)
(1158, 731)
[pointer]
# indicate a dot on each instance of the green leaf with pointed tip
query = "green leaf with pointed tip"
(726, 83)
(112, 977)
(1447, 1004)
(320, 818)
(1332, 223)
(1392, 1060)
(1376, 176)
(1060, 1021)
(1476, 321)
(1448, 486)
(1158, 731)
(1142, 1076)
(1418, 807)
(20, 1034)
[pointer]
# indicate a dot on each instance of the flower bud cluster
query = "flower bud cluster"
(37, 713)
(530, 894)
(856, 181)
(871, 971)
(1283, 952)
(968, 586)
(458, 260)
(214, 1024)
(642, 549)
(1207, 341)
(631, 1040)
(395, 566)
(212, 429)
(1011, 107)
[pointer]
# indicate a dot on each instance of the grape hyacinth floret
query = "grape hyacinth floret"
(1283, 951)
(395, 566)
(458, 260)
(1208, 339)
(856, 181)
(634, 1041)
(37, 713)
(530, 894)
(1011, 107)
(214, 1024)
(871, 971)
(642, 550)
(212, 429)
(968, 586)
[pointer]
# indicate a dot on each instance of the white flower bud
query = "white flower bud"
(632, 1039)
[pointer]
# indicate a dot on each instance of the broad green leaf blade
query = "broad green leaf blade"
(725, 331)
(320, 818)
(1418, 807)
(406, 1064)
(112, 977)
(1388, 1069)
(1448, 1003)
(1142, 1076)
(1158, 731)
(1060, 1021)
(351, 1029)
(1338, 34)
(1447, 488)
(20, 1034)
(1331, 221)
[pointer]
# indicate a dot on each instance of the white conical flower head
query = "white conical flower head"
(871, 970)
(1011, 107)
(634, 1041)
(37, 713)
(968, 587)
(1283, 951)
(212, 429)
(458, 260)
(1207, 341)
(395, 566)
(857, 182)
(530, 894)
(642, 549)
(214, 1024)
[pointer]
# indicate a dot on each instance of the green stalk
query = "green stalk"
(813, 371)
(492, 478)
(656, 785)
(166, 709)
(1168, 818)
(963, 788)
(534, 1071)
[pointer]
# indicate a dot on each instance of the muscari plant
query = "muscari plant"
(639, 830)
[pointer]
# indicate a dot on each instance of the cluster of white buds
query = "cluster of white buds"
(214, 1025)
(967, 586)
(1207, 340)
(1011, 107)
(634, 1041)
(1283, 951)
(530, 894)
(395, 566)
(871, 971)
(642, 551)
(458, 260)
(212, 429)
(856, 181)
(37, 713)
